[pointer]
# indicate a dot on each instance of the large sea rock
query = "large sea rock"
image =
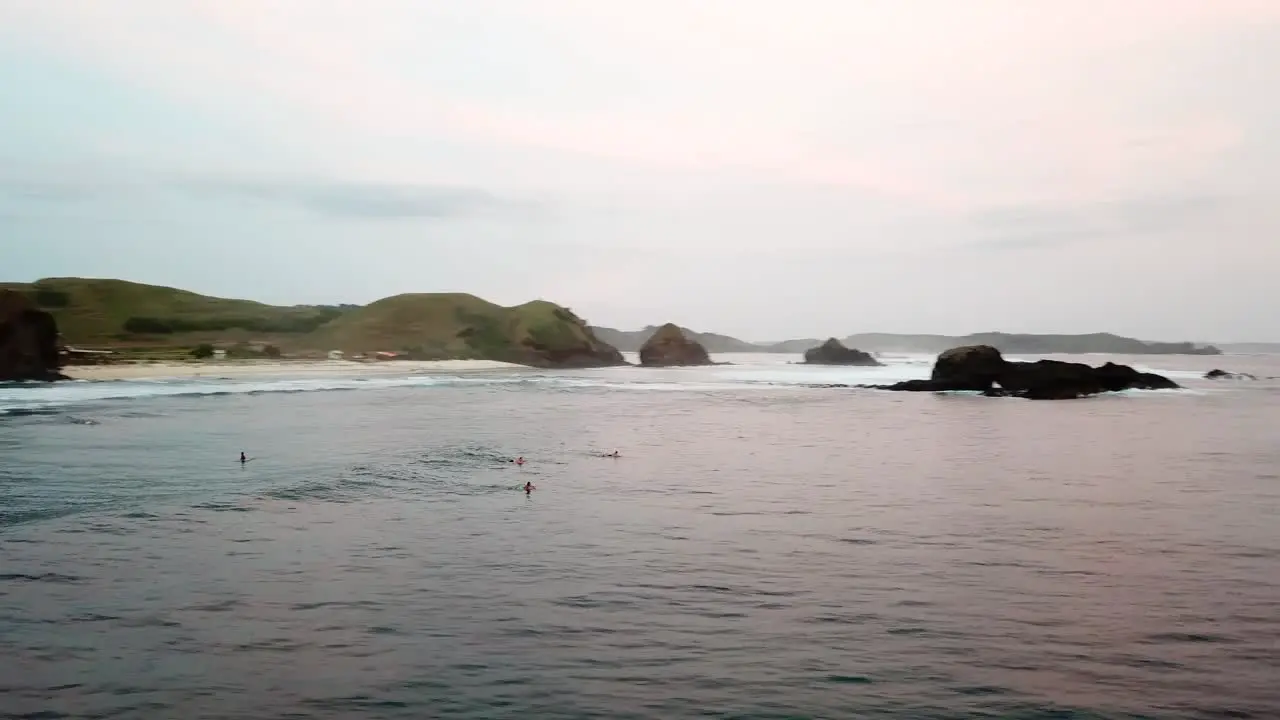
(982, 368)
(669, 347)
(28, 340)
(833, 352)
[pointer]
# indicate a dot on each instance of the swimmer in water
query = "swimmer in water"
(520, 460)
(528, 488)
(243, 459)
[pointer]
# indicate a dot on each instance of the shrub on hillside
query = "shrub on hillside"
(202, 352)
(147, 326)
(50, 298)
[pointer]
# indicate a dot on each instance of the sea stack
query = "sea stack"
(982, 368)
(28, 340)
(668, 347)
(833, 352)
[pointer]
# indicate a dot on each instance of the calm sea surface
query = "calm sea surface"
(762, 549)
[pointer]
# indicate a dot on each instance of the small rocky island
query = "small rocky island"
(669, 347)
(833, 352)
(1217, 374)
(28, 341)
(983, 369)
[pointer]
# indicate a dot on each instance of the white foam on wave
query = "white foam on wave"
(890, 372)
(31, 396)
(749, 373)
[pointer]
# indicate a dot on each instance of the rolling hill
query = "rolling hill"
(101, 311)
(455, 325)
(117, 314)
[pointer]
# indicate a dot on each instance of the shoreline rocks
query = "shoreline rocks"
(1216, 374)
(669, 347)
(28, 341)
(833, 352)
(981, 368)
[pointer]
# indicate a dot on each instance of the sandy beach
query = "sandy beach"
(275, 368)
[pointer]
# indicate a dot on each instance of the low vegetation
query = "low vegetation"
(456, 325)
(107, 312)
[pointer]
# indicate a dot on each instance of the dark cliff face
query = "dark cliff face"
(28, 340)
(668, 347)
(982, 368)
(833, 352)
(589, 353)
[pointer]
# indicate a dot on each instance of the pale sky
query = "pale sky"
(761, 168)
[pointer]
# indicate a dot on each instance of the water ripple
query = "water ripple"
(771, 553)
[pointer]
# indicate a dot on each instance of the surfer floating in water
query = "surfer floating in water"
(243, 459)
(528, 488)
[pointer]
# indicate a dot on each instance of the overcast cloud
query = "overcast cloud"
(761, 168)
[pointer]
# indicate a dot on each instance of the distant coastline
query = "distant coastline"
(150, 323)
(1025, 344)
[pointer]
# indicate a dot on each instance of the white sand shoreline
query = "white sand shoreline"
(276, 368)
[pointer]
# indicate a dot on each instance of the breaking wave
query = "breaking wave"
(36, 399)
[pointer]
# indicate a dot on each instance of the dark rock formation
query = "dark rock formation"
(833, 352)
(982, 368)
(28, 340)
(589, 353)
(668, 347)
(1217, 374)
(972, 367)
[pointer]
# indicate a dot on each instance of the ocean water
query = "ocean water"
(764, 548)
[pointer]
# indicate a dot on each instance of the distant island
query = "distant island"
(1025, 344)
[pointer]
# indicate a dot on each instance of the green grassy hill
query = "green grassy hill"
(105, 312)
(121, 314)
(455, 325)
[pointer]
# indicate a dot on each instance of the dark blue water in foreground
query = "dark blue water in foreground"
(759, 552)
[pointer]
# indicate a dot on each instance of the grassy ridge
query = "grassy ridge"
(154, 319)
(93, 311)
(456, 325)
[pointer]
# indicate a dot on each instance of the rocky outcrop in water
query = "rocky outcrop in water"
(1216, 374)
(28, 340)
(833, 352)
(668, 347)
(982, 368)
